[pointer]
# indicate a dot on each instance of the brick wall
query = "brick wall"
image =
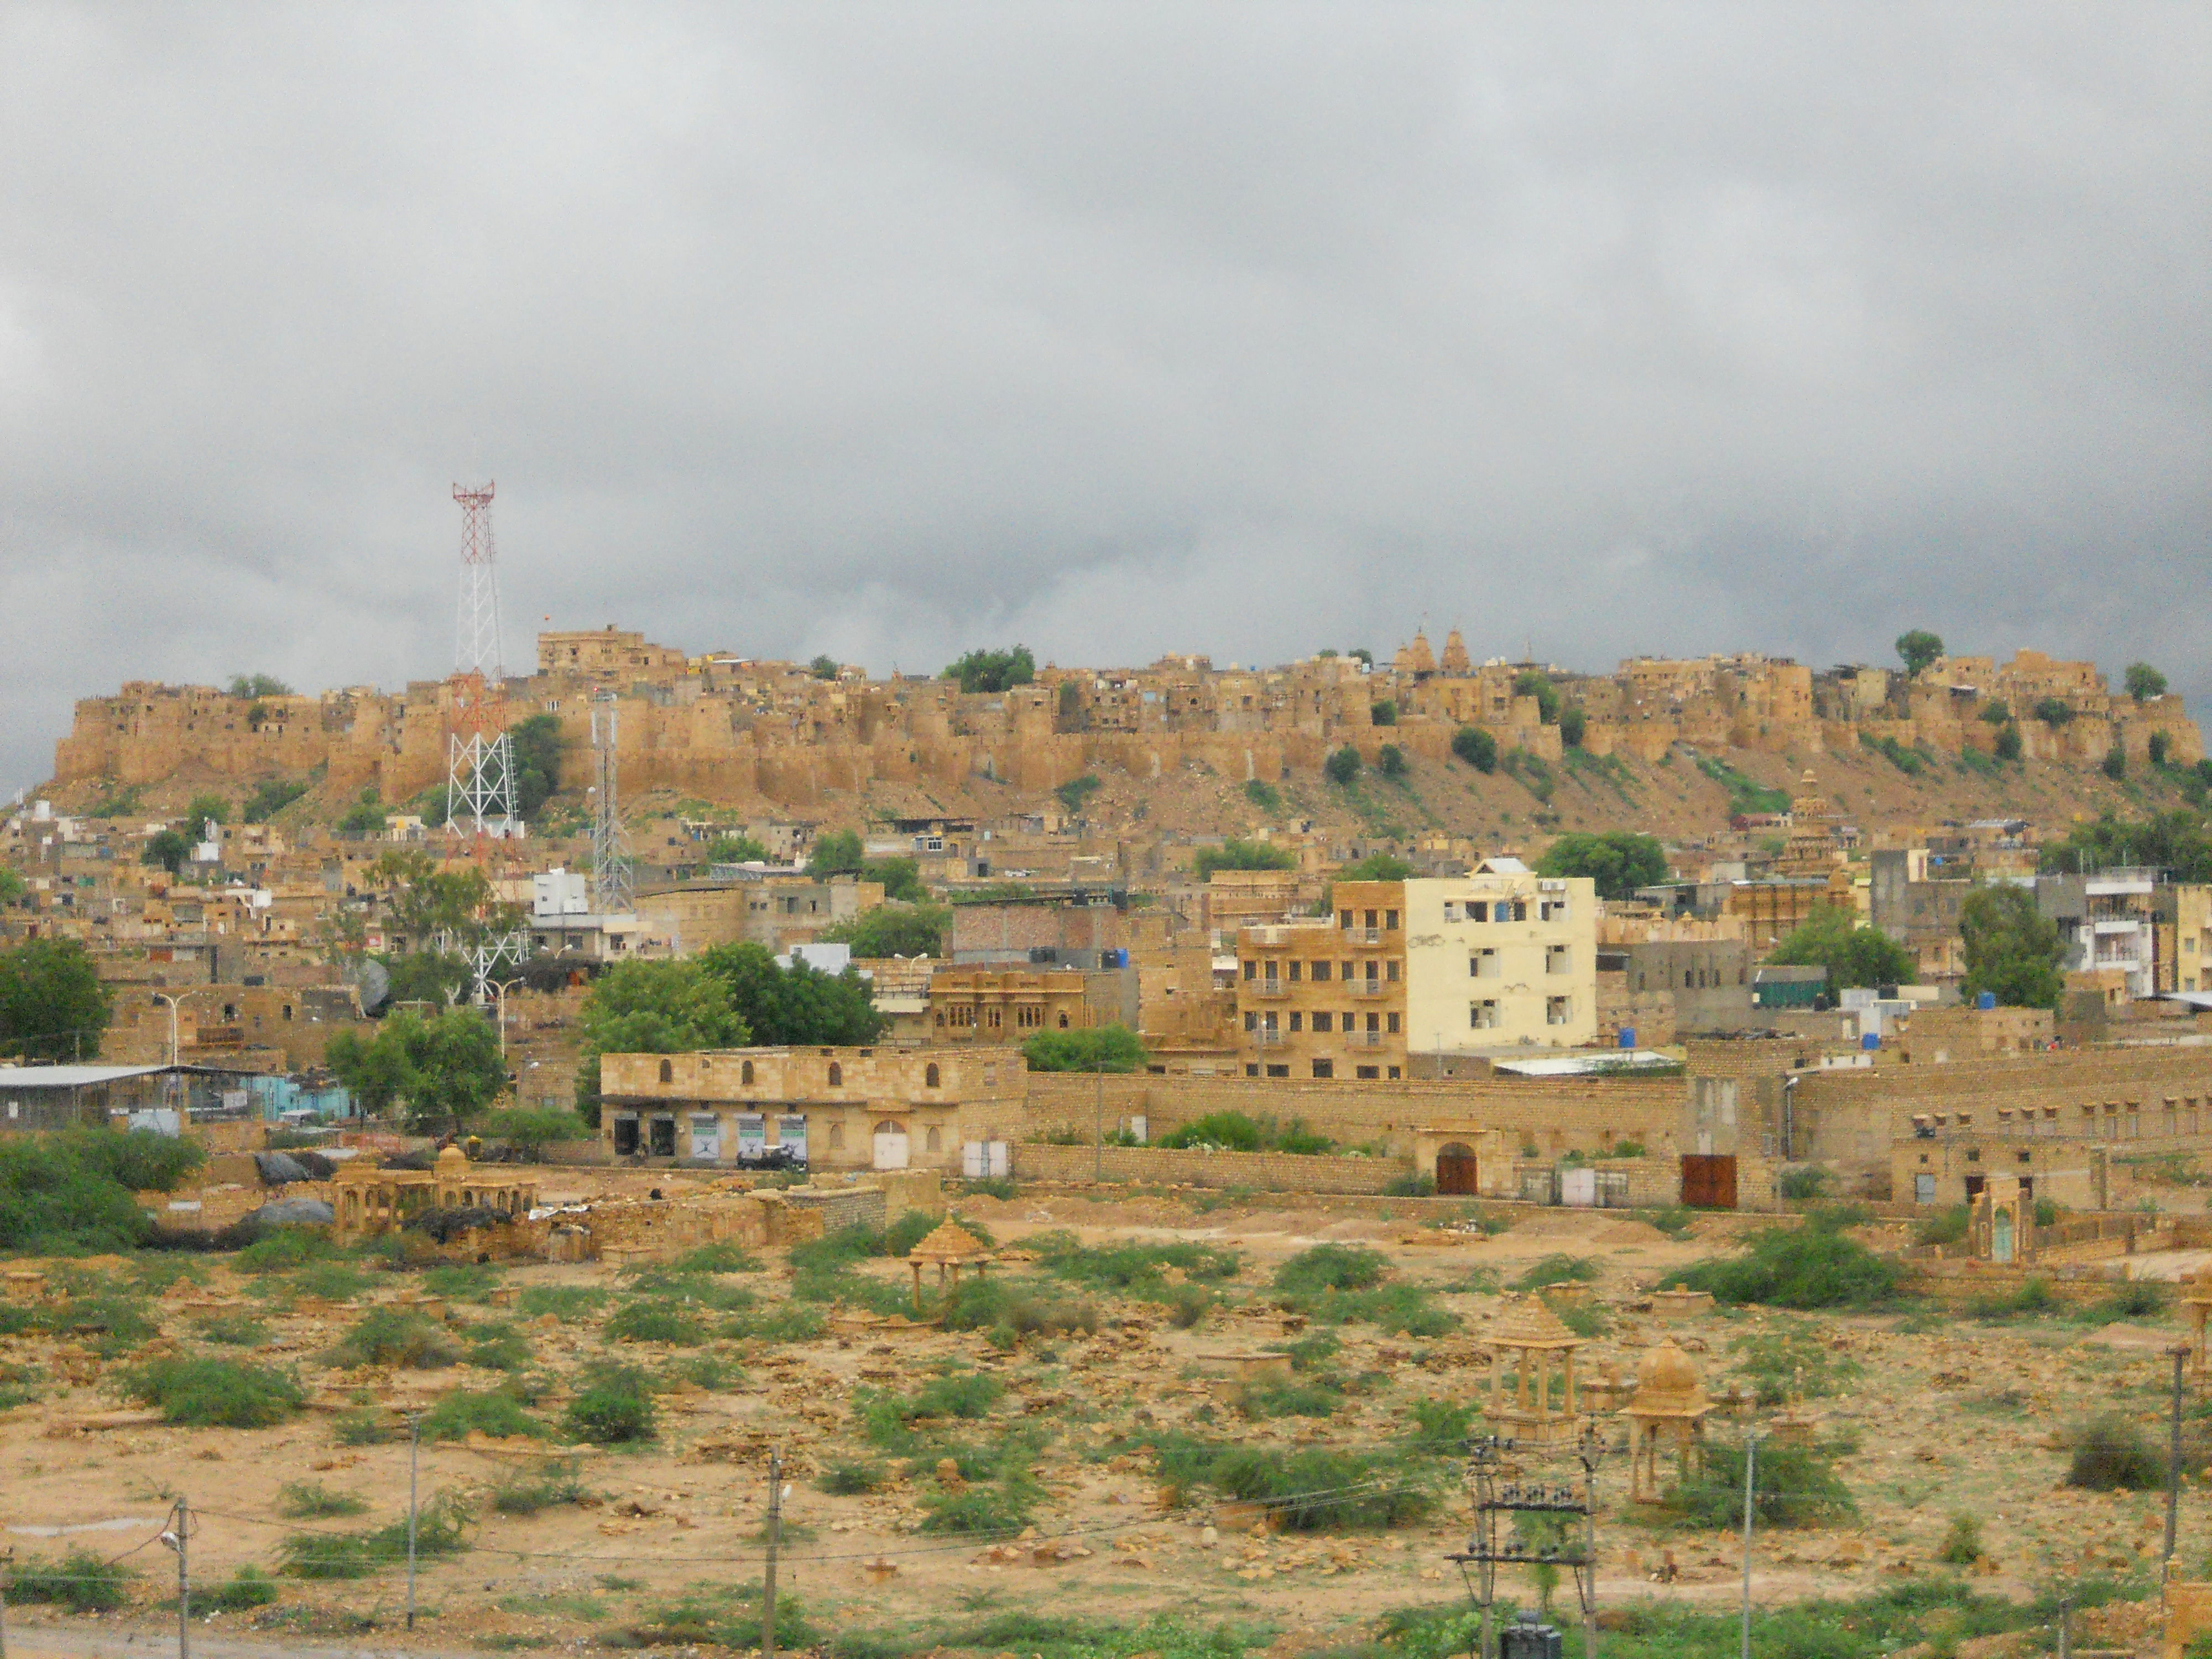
(1152, 1166)
(840, 1208)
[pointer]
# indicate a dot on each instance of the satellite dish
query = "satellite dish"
(373, 980)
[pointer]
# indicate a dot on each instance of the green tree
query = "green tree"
(1919, 649)
(2053, 711)
(2115, 763)
(735, 849)
(1342, 766)
(824, 667)
(53, 1006)
(2175, 842)
(168, 848)
(2144, 682)
(797, 1007)
(367, 816)
(2158, 747)
(270, 798)
(2007, 746)
(1376, 866)
(537, 745)
(837, 854)
(897, 930)
(1574, 726)
(1533, 682)
(1384, 712)
(206, 806)
(1099, 1048)
(1390, 761)
(257, 685)
(901, 877)
(652, 1008)
(1854, 955)
(12, 886)
(445, 1071)
(530, 1129)
(1362, 653)
(1618, 860)
(1237, 854)
(1076, 793)
(994, 670)
(2012, 951)
(1996, 711)
(437, 977)
(1476, 747)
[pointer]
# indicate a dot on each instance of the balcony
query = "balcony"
(1267, 990)
(1363, 935)
(1368, 987)
(1265, 1037)
(1364, 1039)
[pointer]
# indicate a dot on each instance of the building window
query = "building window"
(1321, 1021)
(931, 1076)
(1393, 1074)
(1251, 1071)
(1374, 1021)
(1367, 1073)
(1279, 1071)
(930, 1142)
(1479, 910)
(1451, 911)
(1482, 1015)
(745, 1075)
(1321, 973)
(836, 1075)
(1251, 1020)
(1482, 964)
(1557, 1009)
(1251, 970)
(1295, 1019)
(1390, 970)
(1555, 959)
(837, 1135)
(1520, 910)
(1324, 1068)
(1551, 910)
(1343, 920)
(1371, 921)
(1063, 1020)
(1393, 1024)
(1294, 969)
(1390, 920)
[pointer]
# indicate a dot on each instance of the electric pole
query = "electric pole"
(414, 1450)
(774, 1531)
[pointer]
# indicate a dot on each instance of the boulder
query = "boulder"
(293, 1213)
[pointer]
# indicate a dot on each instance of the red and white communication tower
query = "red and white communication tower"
(479, 753)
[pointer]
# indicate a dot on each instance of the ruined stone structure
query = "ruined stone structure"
(368, 1201)
(722, 728)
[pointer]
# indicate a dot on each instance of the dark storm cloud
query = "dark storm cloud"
(1244, 329)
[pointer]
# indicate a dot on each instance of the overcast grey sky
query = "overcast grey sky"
(1115, 329)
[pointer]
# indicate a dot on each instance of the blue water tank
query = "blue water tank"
(1628, 1036)
(1871, 1040)
(1985, 999)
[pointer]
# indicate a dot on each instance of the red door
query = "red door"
(1708, 1182)
(1456, 1173)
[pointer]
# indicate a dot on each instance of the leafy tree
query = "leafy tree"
(537, 745)
(168, 848)
(1343, 766)
(365, 818)
(2177, 841)
(206, 806)
(1376, 867)
(1476, 747)
(1996, 711)
(1099, 1048)
(530, 1129)
(1574, 726)
(652, 1008)
(837, 854)
(1384, 712)
(12, 886)
(2053, 711)
(2007, 746)
(2115, 763)
(1236, 854)
(53, 1006)
(1618, 860)
(270, 798)
(1919, 649)
(1533, 682)
(1390, 761)
(2144, 682)
(901, 877)
(2012, 951)
(735, 849)
(435, 908)
(799, 1006)
(2159, 747)
(1077, 792)
(1362, 653)
(437, 977)
(446, 1069)
(897, 930)
(1853, 956)
(257, 685)
(994, 670)
(824, 667)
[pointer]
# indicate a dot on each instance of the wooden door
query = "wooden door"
(1456, 1173)
(1709, 1180)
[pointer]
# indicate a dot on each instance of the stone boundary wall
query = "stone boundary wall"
(1974, 1281)
(1156, 1166)
(1565, 1115)
(840, 1207)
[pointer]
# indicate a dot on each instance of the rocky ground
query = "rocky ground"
(1928, 1416)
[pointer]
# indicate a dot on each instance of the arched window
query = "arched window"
(836, 1075)
(745, 1075)
(667, 1071)
(930, 1141)
(1063, 1019)
(931, 1076)
(836, 1134)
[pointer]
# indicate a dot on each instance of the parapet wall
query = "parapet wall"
(1157, 1166)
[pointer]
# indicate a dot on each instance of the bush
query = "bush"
(1314, 1490)
(722, 1258)
(1804, 1181)
(786, 1321)
(232, 1330)
(325, 1556)
(461, 1413)
(1476, 747)
(851, 1479)
(1442, 1427)
(52, 1201)
(2111, 1454)
(284, 1249)
(1790, 1360)
(1261, 1400)
(1793, 1487)
(564, 1302)
(215, 1393)
(396, 1336)
(1946, 1227)
(2033, 1296)
(1001, 1507)
(1962, 1545)
(696, 1621)
(615, 1408)
(655, 1321)
(245, 1589)
(1809, 1267)
(1332, 1267)
(369, 1426)
(82, 1581)
(2137, 1299)
(310, 1500)
(1342, 766)
(525, 1495)
(497, 1347)
(1558, 1269)
(1230, 1131)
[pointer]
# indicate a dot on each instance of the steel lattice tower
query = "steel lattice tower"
(613, 882)
(479, 754)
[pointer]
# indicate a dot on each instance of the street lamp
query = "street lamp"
(163, 996)
(503, 987)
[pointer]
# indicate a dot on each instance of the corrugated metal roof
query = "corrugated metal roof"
(69, 1077)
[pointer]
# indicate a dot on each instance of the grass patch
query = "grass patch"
(722, 1258)
(333, 1281)
(232, 1330)
(706, 1617)
(1310, 1489)
(852, 1477)
(496, 1347)
(1019, 1308)
(1442, 1428)
(1945, 1227)
(1793, 1487)
(81, 1581)
(1000, 1508)
(215, 1393)
(782, 1321)
(2111, 1454)
(615, 1407)
(284, 1250)
(528, 1495)
(462, 1413)
(1814, 1266)
(562, 1301)
(242, 1592)
(1791, 1362)
(310, 1500)
(655, 1321)
(464, 1281)
(1292, 1399)
(1558, 1269)
(367, 1426)
(396, 1336)
(1342, 1283)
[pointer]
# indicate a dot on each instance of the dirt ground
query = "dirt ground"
(1936, 1417)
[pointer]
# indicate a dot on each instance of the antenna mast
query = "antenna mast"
(479, 753)
(614, 883)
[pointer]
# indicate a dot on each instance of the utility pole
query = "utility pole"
(1750, 1464)
(7, 1565)
(774, 1531)
(1098, 1121)
(182, 1524)
(414, 1450)
(2173, 1467)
